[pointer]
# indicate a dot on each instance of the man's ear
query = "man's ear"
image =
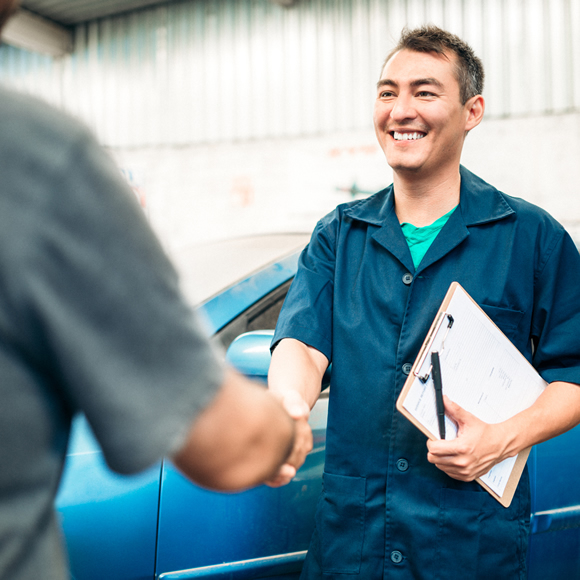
(474, 108)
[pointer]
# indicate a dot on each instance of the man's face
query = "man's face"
(419, 119)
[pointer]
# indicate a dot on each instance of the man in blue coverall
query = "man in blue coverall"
(367, 289)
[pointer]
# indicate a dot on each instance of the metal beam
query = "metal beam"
(285, 3)
(32, 32)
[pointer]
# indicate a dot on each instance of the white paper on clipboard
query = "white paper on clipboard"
(481, 370)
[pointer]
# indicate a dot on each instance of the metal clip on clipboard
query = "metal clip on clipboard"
(424, 378)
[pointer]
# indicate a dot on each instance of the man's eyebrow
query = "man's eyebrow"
(386, 83)
(415, 83)
(427, 81)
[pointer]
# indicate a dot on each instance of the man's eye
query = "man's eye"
(385, 94)
(424, 94)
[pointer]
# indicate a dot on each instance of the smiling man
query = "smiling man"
(367, 289)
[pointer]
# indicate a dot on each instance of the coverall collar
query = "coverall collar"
(479, 203)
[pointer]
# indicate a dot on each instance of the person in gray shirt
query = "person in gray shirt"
(92, 321)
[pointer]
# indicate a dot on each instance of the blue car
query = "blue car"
(159, 525)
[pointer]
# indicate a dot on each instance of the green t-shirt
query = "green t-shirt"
(420, 239)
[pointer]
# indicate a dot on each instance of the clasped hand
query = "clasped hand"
(477, 448)
(299, 410)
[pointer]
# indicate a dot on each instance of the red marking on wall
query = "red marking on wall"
(353, 151)
(243, 190)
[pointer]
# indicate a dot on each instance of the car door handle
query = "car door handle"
(553, 520)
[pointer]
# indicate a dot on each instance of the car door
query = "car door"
(109, 520)
(555, 523)
(260, 533)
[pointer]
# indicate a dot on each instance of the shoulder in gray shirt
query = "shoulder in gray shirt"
(91, 320)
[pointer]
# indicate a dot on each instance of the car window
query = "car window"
(262, 315)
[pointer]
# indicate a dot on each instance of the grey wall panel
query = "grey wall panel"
(228, 70)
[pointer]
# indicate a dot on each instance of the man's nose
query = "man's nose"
(403, 109)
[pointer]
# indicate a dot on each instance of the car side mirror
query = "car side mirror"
(249, 353)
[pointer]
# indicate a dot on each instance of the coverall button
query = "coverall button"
(396, 556)
(407, 278)
(402, 464)
(407, 368)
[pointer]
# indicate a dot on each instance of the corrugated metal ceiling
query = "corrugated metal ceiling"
(69, 12)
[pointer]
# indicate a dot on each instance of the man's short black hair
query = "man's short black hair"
(429, 38)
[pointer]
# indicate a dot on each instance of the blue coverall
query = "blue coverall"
(385, 511)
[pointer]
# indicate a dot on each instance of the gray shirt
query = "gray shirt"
(91, 320)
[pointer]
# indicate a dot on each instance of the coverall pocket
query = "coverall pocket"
(478, 537)
(340, 519)
(505, 319)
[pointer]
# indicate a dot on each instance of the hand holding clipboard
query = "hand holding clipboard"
(481, 370)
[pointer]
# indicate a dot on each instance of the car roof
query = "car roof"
(209, 268)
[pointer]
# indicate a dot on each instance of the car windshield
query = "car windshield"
(206, 269)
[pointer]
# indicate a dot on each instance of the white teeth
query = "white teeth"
(407, 136)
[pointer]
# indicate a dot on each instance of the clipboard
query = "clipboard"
(482, 371)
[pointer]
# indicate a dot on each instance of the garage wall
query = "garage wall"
(236, 115)
(205, 192)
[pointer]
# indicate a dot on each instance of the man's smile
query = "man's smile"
(397, 136)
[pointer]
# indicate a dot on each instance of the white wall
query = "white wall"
(211, 192)
(198, 193)
(536, 158)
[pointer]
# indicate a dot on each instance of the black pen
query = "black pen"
(438, 384)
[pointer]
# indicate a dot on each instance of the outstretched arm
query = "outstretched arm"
(295, 376)
(240, 440)
(479, 446)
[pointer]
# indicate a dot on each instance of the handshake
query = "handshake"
(298, 410)
(247, 436)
